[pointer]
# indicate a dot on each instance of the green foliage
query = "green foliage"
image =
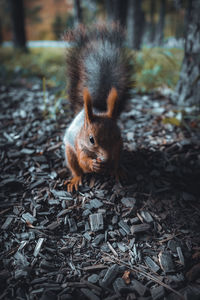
(154, 68)
(40, 62)
(46, 63)
(157, 67)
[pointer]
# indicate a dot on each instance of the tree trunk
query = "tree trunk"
(161, 23)
(188, 87)
(187, 16)
(109, 12)
(18, 24)
(135, 24)
(117, 11)
(152, 23)
(1, 35)
(78, 12)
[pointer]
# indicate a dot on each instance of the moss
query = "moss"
(41, 62)
(154, 67)
(157, 67)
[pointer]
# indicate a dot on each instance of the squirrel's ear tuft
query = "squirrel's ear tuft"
(112, 103)
(87, 105)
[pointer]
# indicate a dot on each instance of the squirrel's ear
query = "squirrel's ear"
(87, 105)
(112, 103)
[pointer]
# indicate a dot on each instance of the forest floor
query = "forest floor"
(135, 240)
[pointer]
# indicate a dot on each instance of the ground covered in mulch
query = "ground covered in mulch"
(135, 240)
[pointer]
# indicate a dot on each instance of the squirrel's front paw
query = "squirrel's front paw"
(97, 166)
(74, 183)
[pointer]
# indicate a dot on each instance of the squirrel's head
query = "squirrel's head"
(102, 135)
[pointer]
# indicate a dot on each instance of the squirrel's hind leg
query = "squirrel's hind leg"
(73, 165)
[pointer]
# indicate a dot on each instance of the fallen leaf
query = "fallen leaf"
(126, 277)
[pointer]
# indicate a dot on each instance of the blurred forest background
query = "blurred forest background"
(157, 33)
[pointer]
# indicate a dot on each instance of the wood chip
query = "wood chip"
(110, 275)
(139, 228)
(138, 287)
(166, 262)
(158, 293)
(96, 221)
(180, 255)
(29, 218)
(151, 264)
(7, 223)
(38, 247)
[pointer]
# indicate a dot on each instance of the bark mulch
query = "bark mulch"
(135, 240)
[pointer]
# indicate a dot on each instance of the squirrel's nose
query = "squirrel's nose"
(103, 158)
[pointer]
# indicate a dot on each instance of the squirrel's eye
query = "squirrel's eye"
(91, 139)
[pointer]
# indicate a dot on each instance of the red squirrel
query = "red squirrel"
(100, 78)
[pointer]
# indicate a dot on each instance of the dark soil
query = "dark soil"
(135, 240)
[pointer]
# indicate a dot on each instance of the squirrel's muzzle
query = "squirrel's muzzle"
(103, 157)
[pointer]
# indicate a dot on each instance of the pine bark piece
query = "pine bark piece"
(110, 275)
(95, 203)
(93, 278)
(138, 287)
(122, 247)
(20, 273)
(29, 218)
(119, 285)
(124, 226)
(98, 239)
(146, 216)
(151, 263)
(139, 228)
(46, 265)
(72, 225)
(96, 222)
(89, 294)
(166, 262)
(158, 292)
(53, 225)
(38, 247)
(7, 223)
(180, 255)
(87, 236)
(128, 201)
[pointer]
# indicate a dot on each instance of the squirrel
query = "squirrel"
(99, 73)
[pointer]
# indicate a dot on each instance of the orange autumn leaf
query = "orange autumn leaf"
(126, 277)
(29, 224)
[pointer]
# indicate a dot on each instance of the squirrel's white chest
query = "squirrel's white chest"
(73, 129)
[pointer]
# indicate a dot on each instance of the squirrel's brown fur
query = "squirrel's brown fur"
(99, 83)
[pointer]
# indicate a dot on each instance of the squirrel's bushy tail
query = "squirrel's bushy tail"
(99, 61)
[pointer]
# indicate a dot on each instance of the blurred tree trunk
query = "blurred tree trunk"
(161, 23)
(135, 24)
(109, 11)
(188, 87)
(1, 35)
(152, 23)
(117, 11)
(18, 24)
(78, 12)
(187, 15)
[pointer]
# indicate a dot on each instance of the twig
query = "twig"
(112, 249)
(144, 273)
(5, 210)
